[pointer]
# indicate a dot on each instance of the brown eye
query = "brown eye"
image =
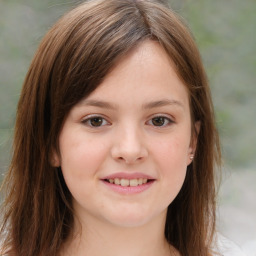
(160, 121)
(95, 121)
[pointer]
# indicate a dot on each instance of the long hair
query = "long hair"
(71, 61)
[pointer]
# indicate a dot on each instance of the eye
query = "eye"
(95, 121)
(160, 121)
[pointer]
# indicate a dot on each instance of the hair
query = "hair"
(72, 60)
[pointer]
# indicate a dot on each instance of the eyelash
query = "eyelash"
(167, 121)
(89, 119)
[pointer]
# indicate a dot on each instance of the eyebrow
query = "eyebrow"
(149, 105)
(162, 103)
(99, 104)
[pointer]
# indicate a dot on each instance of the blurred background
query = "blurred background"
(225, 32)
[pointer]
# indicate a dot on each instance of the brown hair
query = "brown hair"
(72, 60)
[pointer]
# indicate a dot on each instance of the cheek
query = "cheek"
(81, 159)
(82, 156)
(171, 158)
(173, 151)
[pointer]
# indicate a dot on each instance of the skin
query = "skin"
(142, 125)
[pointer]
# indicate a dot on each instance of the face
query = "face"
(124, 149)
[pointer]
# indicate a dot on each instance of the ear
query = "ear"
(193, 142)
(55, 159)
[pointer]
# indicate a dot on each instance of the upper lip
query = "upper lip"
(128, 176)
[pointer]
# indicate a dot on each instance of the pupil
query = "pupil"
(97, 121)
(158, 121)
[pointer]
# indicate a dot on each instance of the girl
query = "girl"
(115, 142)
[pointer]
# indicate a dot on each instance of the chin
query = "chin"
(130, 222)
(135, 218)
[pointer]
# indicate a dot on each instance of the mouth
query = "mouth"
(129, 182)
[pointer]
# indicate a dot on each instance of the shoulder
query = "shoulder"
(225, 247)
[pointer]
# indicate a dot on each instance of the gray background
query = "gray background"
(225, 32)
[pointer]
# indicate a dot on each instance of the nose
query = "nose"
(129, 146)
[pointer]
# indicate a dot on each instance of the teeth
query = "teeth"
(117, 181)
(126, 182)
(134, 182)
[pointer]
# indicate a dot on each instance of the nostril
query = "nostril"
(129, 153)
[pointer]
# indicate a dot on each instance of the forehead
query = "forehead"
(145, 74)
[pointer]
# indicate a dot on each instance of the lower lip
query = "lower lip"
(129, 190)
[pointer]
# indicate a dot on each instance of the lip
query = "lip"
(129, 190)
(128, 176)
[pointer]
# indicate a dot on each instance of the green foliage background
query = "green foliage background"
(225, 31)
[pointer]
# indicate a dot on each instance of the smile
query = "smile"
(128, 182)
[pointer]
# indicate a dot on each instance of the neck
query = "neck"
(97, 238)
